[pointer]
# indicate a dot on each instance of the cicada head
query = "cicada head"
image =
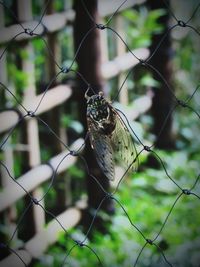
(98, 108)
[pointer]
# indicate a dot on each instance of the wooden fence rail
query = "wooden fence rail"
(41, 174)
(53, 97)
(122, 63)
(37, 245)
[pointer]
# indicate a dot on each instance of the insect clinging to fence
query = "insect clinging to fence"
(109, 136)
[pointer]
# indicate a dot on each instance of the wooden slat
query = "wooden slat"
(138, 107)
(37, 245)
(29, 181)
(52, 23)
(36, 176)
(107, 8)
(53, 98)
(40, 242)
(122, 63)
(141, 105)
(24, 10)
(8, 119)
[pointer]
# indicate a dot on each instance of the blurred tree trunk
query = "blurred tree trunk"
(162, 101)
(89, 65)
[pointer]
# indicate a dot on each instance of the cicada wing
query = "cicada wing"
(103, 150)
(123, 144)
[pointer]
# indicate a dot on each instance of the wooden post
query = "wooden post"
(121, 50)
(104, 43)
(89, 65)
(62, 187)
(37, 216)
(162, 100)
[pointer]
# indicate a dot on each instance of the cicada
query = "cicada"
(109, 136)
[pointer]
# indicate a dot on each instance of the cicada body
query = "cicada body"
(109, 136)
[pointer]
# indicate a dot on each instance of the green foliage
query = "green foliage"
(58, 5)
(18, 77)
(67, 121)
(46, 154)
(66, 41)
(39, 59)
(148, 81)
(141, 25)
(76, 172)
(186, 62)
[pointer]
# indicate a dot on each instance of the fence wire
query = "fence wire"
(177, 103)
